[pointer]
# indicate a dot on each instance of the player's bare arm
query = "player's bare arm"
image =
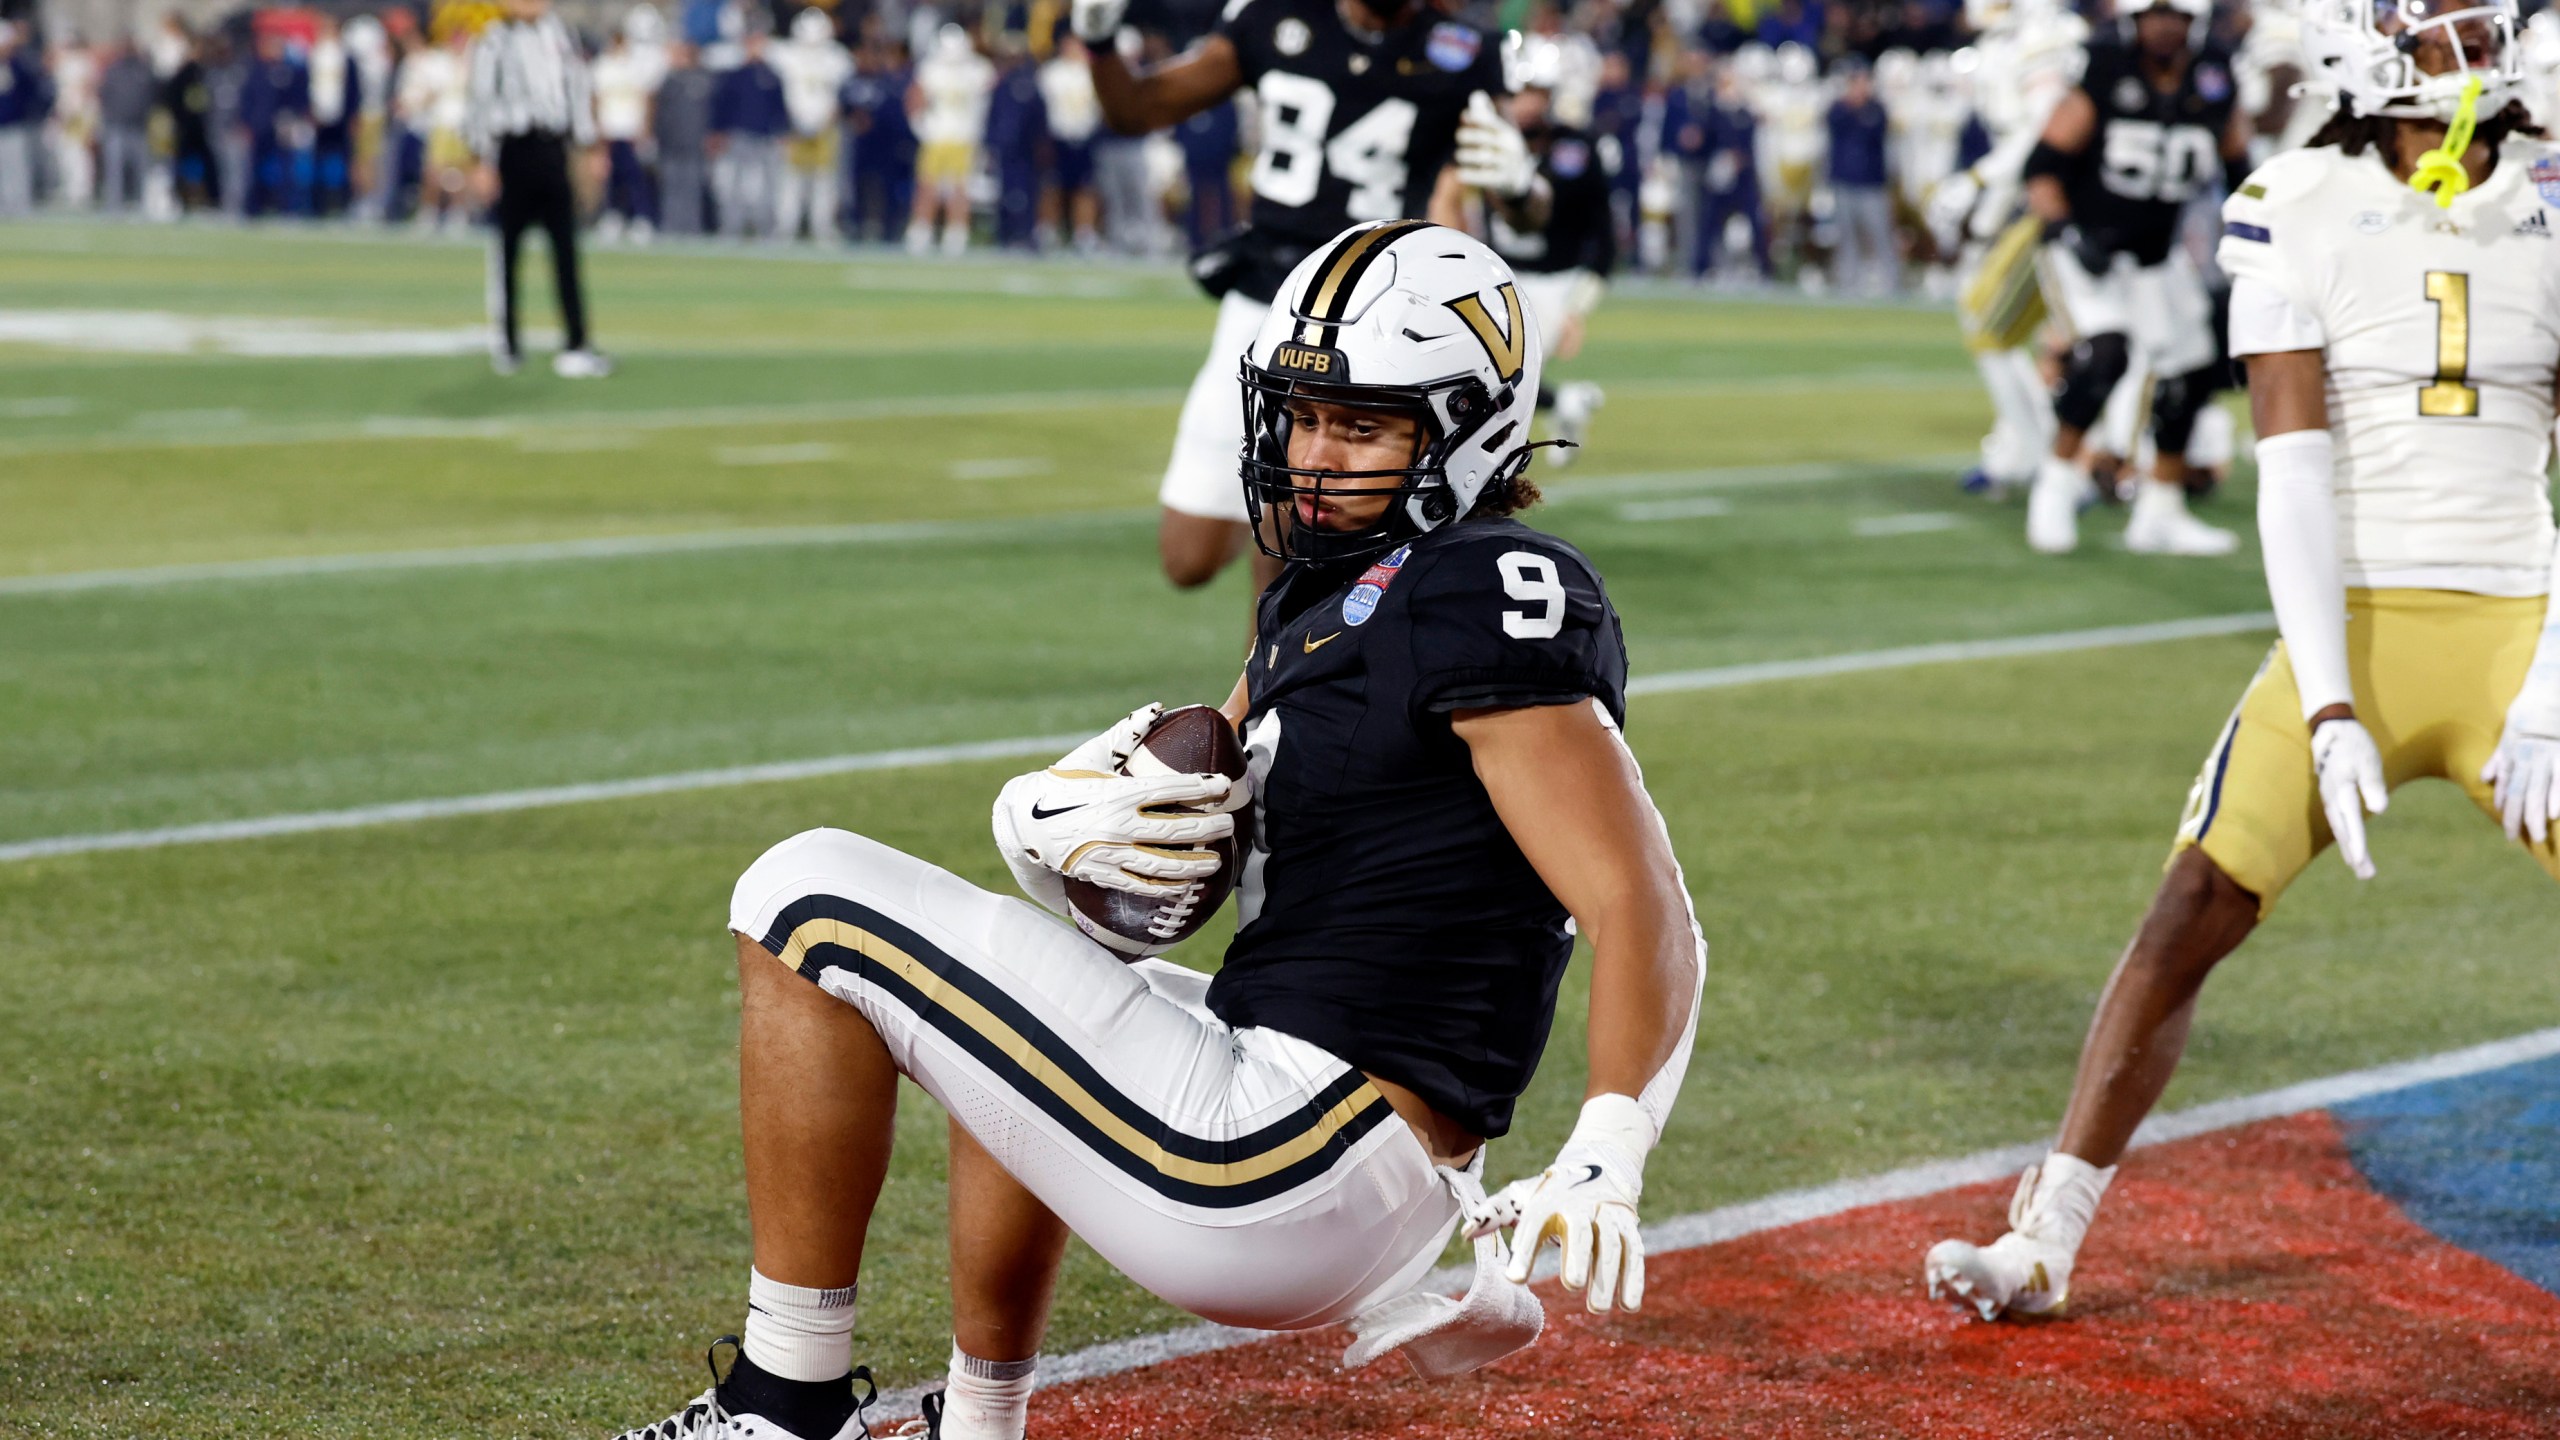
(1141, 101)
(1569, 791)
(2067, 131)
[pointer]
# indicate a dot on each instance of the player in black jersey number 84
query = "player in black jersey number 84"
(1432, 717)
(1367, 110)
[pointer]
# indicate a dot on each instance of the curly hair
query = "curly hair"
(1507, 497)
(2356, 134)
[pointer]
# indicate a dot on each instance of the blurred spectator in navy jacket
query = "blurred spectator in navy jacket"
(749, 119)
(1017, 140)
(24, 104)
(1860, 177)
(1797, 22)
(275, 113)
(1617, 125)
(1208, 142)
(884, 143)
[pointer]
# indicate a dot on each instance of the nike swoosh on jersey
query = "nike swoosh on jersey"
(1593, 1173)
(1313, 643)
(1039, 814)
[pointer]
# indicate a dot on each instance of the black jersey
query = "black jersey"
(1385, 912)
(2152, 152)
(1352, 129)
(1580, 233)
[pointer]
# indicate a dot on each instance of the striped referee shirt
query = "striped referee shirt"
(527, 77)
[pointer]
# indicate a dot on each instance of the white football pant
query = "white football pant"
(1247, 1176)
(1203, 478)
(2021, 416)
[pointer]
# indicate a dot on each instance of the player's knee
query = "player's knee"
(2199, 915)
(2097, 365)
(814, 862)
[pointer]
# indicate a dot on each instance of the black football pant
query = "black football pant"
(534, 189)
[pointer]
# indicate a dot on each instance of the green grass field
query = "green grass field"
(429, 1130)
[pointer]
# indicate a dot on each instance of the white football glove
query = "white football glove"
(1081, 818)
(1586, 1202)
(2524, 776)
(1951, 203)
(1492, 154)
(1096, 22)
(2350, 773)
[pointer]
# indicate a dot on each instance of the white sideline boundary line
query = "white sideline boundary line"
(1817, 1202)
(885, 532)
(616, 547)
(825, 412)
(502, 801)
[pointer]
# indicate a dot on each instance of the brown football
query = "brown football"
(1194, 740)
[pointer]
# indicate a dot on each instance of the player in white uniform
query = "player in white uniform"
(2028, 57)
(949, 103)
(814, 66)
(2402, 355)
(625, 79)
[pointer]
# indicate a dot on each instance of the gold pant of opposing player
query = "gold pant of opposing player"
(2433, 672)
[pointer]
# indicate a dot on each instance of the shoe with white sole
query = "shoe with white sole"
(2053, 507)
(581, 365)
(721, 1413)
(2161, 525)
(1575, 405)
(2028, 1270)
(504, 362)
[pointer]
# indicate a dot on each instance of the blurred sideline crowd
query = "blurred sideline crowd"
(1745, 141)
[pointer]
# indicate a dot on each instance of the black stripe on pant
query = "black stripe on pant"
(534, 189)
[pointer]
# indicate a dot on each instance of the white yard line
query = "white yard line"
(1911, 1182)
(1917, 522)
(510, 427)
(498, 802)
(618, 547)
(1907, 656)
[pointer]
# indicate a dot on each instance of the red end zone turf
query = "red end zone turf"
(2241, 1284)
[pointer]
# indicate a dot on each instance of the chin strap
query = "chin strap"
(2440, 170)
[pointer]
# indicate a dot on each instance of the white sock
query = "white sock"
(2062, 1201)
(798, 1333)
(986, 1399)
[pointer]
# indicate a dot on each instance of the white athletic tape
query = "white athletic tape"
(1911, 1182)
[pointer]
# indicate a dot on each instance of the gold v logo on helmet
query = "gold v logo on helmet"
(1507, 344)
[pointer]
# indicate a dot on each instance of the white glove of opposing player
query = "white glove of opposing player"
(2524, 778)
(2351, 783)
(1586, 1202)
(1080, 818)
(1492, 153)
(1951, 203)
(1096, 22)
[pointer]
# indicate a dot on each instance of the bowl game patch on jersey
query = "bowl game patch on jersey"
(2546, 179)
(1363, 600)
(1453, 46)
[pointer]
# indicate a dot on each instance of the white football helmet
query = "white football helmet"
(1404, 316)
(2367, 50)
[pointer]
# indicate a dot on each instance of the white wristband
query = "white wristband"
(1617, 1122)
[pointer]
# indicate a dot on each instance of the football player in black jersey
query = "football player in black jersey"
(2150, 127)
(1443, 801)
(1563, 267)
(1370, 110)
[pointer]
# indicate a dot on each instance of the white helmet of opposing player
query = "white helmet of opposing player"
(1402, 316)
(2368, 50)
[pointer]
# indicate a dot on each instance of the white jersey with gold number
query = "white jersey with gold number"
(2442, 333)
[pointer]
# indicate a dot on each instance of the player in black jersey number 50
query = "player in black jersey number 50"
(1441, 794)
(1369, 110)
